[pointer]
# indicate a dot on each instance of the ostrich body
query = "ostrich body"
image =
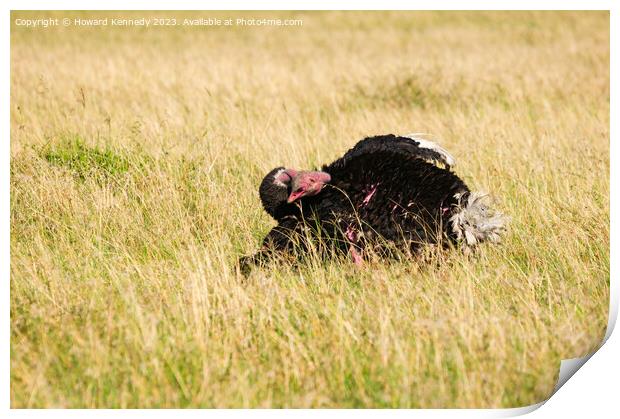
(385, 190)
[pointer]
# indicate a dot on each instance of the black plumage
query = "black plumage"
(386, 190)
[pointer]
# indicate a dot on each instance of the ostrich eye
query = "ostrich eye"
(284, 178)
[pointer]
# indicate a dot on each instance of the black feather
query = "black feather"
(385, 188)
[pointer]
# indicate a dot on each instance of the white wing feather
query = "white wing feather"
(448, 158)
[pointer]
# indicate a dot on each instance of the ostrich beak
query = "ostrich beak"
(307, 184)
(294, 196)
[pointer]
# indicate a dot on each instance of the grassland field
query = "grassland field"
(136, 155)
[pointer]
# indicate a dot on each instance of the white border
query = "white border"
(313, 5)
(594, 391)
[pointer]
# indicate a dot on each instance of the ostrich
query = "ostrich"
(386, 189)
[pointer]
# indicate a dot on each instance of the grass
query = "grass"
(84, 161)
(136, 156)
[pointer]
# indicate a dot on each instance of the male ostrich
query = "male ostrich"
(386, 189)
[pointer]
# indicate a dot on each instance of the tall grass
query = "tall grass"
(135, 160)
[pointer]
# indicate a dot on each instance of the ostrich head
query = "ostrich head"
(282, 187)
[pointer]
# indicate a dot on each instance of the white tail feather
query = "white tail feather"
(475, 222)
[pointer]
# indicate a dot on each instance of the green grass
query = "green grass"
(84, 161)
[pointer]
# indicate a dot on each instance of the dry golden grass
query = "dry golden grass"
(135, 160)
